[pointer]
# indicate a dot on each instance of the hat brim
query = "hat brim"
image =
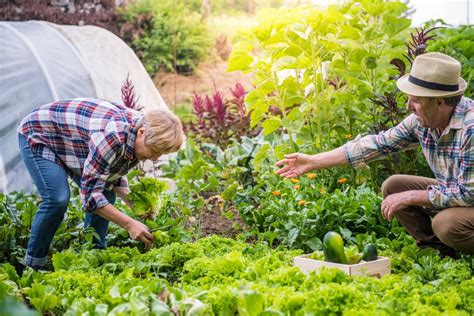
(412, 89)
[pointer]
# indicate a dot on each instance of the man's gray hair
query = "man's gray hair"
(453, 101)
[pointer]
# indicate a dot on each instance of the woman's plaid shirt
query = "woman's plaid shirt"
(90, 138)
(450, 155)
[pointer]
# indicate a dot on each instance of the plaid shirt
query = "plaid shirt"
(90, 138)
(450, 155)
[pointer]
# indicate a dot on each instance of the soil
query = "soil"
(178, 89)
(218, 219)
(216, 223)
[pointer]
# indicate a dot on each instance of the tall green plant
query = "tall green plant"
(315, 70)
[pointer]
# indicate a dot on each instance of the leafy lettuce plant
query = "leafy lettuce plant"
(146, 196)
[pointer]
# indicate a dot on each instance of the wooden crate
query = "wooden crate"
(376, 268)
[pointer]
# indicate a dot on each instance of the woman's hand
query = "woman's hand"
(139, 231)
(295, 165)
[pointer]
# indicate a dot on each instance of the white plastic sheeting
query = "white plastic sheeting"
(41, 62)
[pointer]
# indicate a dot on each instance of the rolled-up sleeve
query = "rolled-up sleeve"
(461, 191)
(363, 150)
(103, 150)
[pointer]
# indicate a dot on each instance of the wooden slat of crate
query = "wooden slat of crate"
(376, 268)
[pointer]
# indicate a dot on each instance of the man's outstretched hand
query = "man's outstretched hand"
(294, 165)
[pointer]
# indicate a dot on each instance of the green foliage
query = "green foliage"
(12, 228)
(315, 70)
(234, 6)
(42, 297)
(146, 196)
(223, 276)
(457, 43)
(163, 33)
(298, 212)
(10, 306)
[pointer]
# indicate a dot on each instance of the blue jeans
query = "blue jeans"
(53, 187)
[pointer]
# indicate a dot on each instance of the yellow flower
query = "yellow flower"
(296, 187)
(311, 175)
(294, 180)
(348, 136)
(276, 193)
(342, 180)
(322, 191)
(301, 202)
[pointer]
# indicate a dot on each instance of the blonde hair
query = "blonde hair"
(163, 131)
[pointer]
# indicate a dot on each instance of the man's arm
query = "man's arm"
(297, 164)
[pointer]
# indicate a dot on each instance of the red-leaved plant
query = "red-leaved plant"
(218, 120)
(129, 97)
(415, 46)
(391, 113)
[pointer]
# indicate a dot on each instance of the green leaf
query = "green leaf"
(271, 125)
(239, 61)
(42, 297)
(250, 303)
(261, 156)
(10, 306)
(230, 191)
(314, 243)
(349, 32)
(301, 30)
(287, 62)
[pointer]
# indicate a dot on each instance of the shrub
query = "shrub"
(99, 12)
(164, 35)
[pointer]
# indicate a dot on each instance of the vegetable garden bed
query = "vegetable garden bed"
(220, 276)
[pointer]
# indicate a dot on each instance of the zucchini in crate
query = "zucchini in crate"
(333, 247)
(370, 253)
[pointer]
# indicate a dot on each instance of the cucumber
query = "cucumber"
(370, 253)
(333, 247)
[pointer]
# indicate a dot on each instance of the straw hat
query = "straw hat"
(433, 75)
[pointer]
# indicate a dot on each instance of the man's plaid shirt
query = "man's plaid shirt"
(450, 155)
(90, 138)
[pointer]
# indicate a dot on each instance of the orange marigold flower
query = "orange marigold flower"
(311, 175)
(342, 180)
(294, 180)
(276, 193)
(301, 202)
(322, 191)
(296, 187)
(348, 136)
